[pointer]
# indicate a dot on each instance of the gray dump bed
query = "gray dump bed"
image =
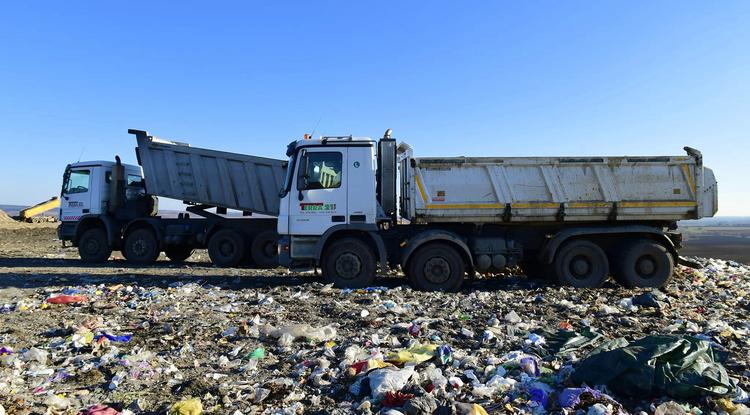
(208, 177)
(556, 189)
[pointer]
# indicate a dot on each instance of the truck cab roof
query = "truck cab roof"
(102, 163)
(323, 141)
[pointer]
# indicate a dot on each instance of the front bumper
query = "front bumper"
(66, 231)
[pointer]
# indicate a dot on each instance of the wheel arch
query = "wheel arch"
(365, 232)
(435, 235)
(547, 253)
(144, 223)
(98, 221)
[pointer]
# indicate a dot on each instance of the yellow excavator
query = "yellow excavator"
(29, 212)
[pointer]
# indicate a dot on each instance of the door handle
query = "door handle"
(338, 218)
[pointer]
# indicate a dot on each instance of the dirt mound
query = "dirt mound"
(4, 217)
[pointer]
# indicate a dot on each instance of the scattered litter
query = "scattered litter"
(102, 345)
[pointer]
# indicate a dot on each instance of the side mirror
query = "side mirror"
(304, 165)
(302, 183)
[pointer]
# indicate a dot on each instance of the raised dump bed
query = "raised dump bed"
(208, 177)
(563, 189)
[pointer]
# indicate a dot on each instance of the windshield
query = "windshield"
(288, 177)
(77, 181)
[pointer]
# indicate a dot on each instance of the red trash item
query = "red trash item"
(396, 399)
(359, 366)
(67, 299)
(99, 410)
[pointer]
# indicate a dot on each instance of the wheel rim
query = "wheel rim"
(140, 247)
(580, 266)
(91, 247)
(269, 248)
(348, 265)
(645, 266)
(226, 248)
(437, 270)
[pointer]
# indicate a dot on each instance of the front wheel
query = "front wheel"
(349, 263)
(436, 267)
(141, 247)
(644, 263)
(93, 246)
(581, 264)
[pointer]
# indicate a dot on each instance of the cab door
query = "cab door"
(318, 196)
(76, 194)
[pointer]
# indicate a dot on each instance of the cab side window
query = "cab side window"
(78, 182)
(134, 180)
(320, 171)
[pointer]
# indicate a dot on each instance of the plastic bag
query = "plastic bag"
(657, 365)
(384, 380)
(187, 407)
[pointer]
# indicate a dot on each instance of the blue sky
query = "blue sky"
(453, 78)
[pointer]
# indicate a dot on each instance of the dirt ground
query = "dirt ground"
(214, 334)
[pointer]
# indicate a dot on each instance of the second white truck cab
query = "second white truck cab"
(86, 188)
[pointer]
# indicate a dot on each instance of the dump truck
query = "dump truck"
(110, 206)
(352, 205)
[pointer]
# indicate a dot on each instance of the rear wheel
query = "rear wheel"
(581, 264)
(644, 263)
(141, 247)
(264, 249)
(436, 267)
(226, 248)
(178, 253)
(93, 246)
(349, 263)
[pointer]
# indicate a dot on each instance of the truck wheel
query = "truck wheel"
(537, 269)
(178, 253)
(93, 246)
(263, 250)
(349, 263)
(141, 247)
(436, 267)
(644, 263)
(581, 264)
(226, 248)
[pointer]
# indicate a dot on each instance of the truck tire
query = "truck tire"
(226, 248)
(178, 253)
(263, 250)
(349, 263)
(644, 263)
(581, 264)
(141, 247)
(436, 267)
(93, 246)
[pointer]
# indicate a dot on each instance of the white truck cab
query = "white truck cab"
(330, 184)
(86, 188)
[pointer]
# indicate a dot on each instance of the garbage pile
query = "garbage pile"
(510, 345)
